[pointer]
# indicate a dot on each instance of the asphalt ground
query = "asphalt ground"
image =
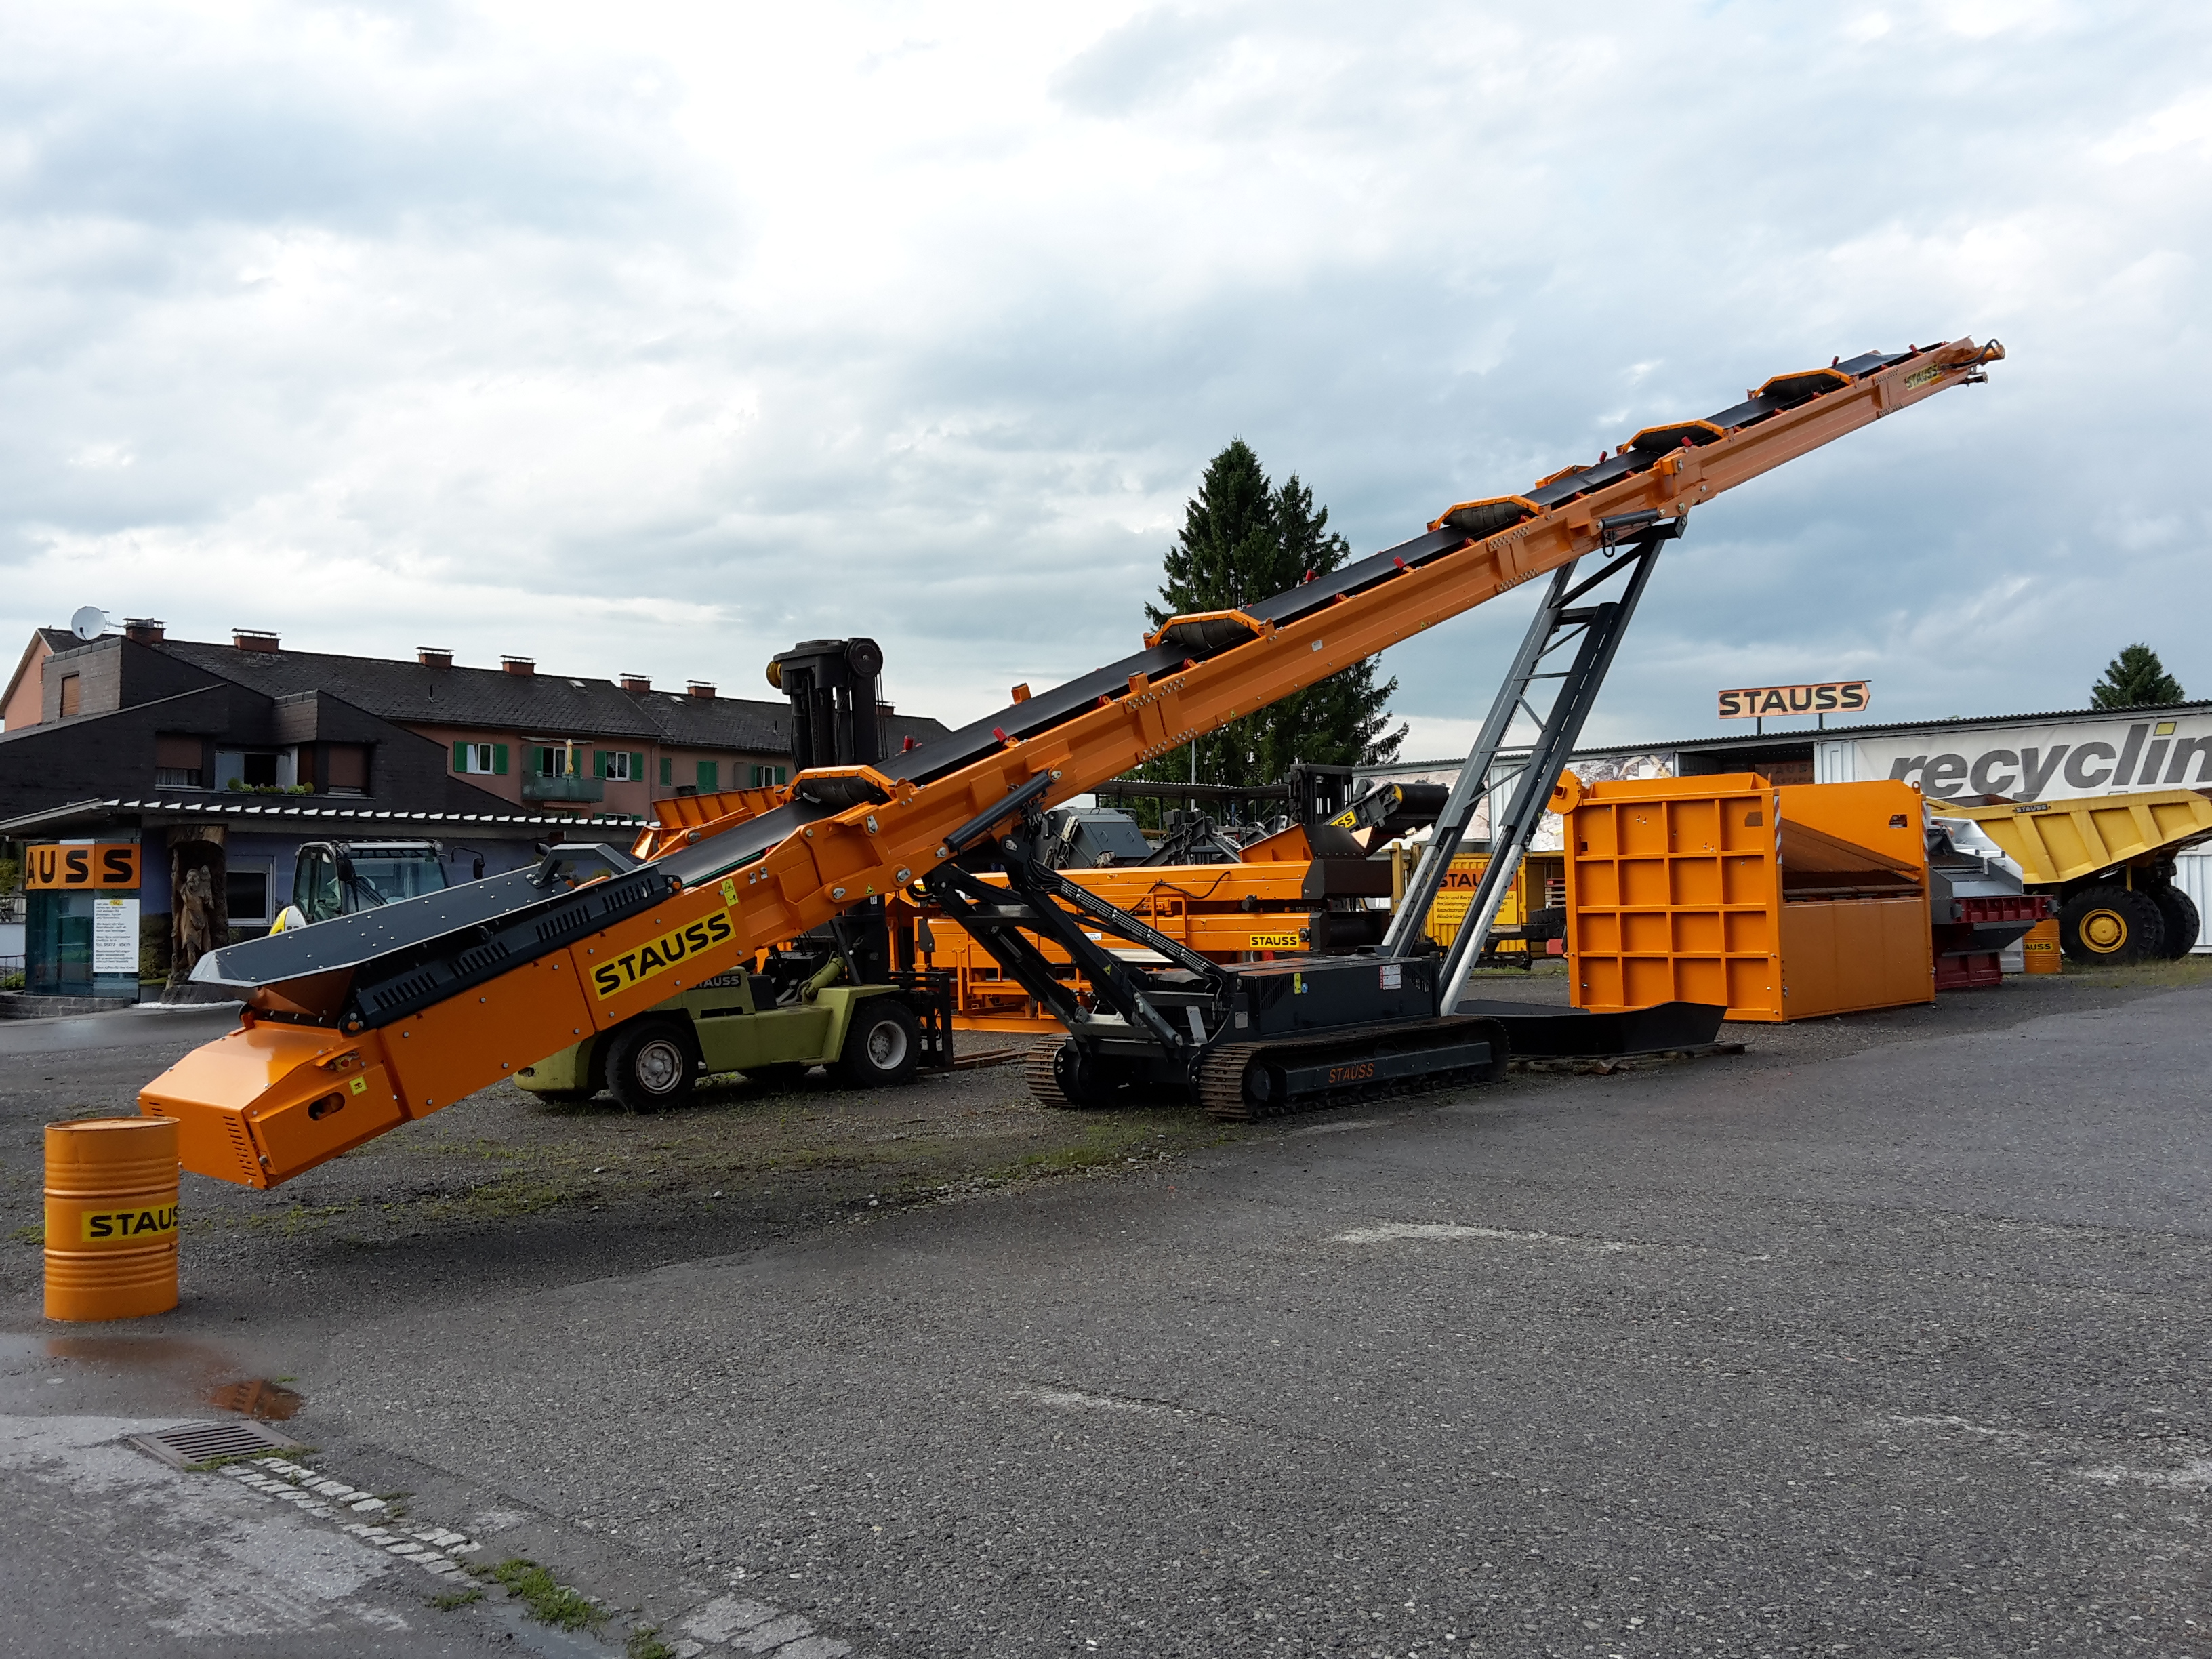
(1886, 1336)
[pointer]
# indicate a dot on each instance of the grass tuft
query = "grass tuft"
(545, 1598)
(644, 1642)
(450, 1600)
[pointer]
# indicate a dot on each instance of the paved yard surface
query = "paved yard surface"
(1886, 1337)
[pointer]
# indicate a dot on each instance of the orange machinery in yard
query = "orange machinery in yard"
(361, 1023)
(1289, 905)
(1279, 900)
(1782, 903)
(1539, 891)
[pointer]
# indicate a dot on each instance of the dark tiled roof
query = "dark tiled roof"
(549, 705)
(317, 811)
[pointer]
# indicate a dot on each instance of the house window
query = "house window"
(258, 770)
(345, 768)
(710, 776)
(617, 765)
(247, 887)
(72, 696)
(765, 775)
(179, 761)
(486, 759)
(550, 761)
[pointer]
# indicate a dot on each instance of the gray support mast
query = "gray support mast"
(1559, 620)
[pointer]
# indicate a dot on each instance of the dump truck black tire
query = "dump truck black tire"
(651, 1064)
(2183, 924)
(2111, 924)
(882, 1045)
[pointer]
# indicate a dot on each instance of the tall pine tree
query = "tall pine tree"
(1245, 539)
(2134, 679)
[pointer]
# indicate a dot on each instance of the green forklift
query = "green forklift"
(822, 1000)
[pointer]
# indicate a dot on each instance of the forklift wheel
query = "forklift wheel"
(651, 1064)
(882, 1046)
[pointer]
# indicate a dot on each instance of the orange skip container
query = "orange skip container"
(111, 1217)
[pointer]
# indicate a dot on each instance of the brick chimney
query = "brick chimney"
(147, 630)
(519, 665)
(434, 656)
(639, 684)
(252, 638)
(700, 687)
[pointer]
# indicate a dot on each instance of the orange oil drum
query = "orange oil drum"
(2039, 949)
(111, 1217)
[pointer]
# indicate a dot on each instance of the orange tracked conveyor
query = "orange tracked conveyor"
(362, 1022)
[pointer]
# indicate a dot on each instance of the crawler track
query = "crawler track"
(1224, 1079)
(1037, 1072)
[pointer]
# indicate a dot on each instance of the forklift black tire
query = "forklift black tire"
(652, 1064)
(882, 1046)
(2109, 926)
(2183, 924)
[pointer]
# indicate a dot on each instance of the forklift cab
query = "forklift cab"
(340, 877)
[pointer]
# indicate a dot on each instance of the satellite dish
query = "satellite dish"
(89, 623)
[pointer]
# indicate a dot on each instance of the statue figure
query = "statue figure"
(195, 923)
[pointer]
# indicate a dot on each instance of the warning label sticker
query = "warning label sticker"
(128, 1226)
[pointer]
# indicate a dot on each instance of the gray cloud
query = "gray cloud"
(659, 353)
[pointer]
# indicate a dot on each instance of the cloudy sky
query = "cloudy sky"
(657, 336)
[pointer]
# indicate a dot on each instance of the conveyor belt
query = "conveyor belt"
(437, 997)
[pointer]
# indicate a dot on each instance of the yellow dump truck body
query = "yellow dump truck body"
(2055, 842)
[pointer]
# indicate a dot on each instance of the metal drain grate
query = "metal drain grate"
(195, 1443)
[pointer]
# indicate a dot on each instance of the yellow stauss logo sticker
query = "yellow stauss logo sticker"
(636, 967)
(1274, 942)
(1920, 377)
(122, 1226)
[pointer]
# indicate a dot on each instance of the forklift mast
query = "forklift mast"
(363, 1023)
(833, 686)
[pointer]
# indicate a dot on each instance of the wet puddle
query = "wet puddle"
(146, 1372)
(272, 1402)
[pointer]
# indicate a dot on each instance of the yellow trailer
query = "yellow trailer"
(2109, 860)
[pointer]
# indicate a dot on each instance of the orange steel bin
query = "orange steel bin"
(2039, 949)
(1779, 902)
(111, 1217)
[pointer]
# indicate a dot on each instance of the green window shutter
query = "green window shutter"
(499, 760)
(782, 774)
(599, 764)
(636, 767)
(667, 772)
(539, 759)
(710, 774)
(460, 757)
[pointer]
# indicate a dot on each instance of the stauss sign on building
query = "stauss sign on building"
(2093, 756)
